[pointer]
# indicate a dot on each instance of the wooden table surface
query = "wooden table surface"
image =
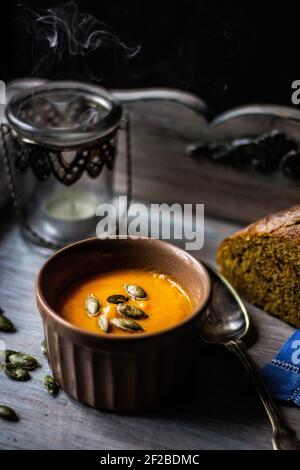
(218, 409)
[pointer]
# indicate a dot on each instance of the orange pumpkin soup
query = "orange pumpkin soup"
(126, 302)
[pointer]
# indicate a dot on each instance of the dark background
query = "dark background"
(228, 53)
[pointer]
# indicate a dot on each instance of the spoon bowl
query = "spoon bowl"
(226, 318)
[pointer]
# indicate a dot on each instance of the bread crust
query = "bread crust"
(282, 224)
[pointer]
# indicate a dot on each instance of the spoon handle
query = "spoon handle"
(283, 438)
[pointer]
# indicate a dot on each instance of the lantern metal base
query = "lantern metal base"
(43, 250)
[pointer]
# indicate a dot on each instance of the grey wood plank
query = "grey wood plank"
(217, 409)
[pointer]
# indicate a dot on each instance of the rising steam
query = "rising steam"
(69, 32)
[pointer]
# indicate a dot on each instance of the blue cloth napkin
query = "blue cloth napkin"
(282, 374)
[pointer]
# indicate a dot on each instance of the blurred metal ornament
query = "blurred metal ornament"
(263, 153)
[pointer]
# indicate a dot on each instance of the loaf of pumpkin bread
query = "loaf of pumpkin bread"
(262, 262)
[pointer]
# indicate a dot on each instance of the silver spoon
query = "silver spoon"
(226, 322)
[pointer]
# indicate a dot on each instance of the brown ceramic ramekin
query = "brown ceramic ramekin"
(116, 372)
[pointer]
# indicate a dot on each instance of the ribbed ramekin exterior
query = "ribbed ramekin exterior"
(122, 380)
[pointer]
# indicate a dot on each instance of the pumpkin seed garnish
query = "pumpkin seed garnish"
(51, 385)
(117, 299)
(92, 305)
(44, 347)
(126, 324)
(23, 361)
(131, 311)
(6, 412)
(136, 292)
(103, 323)
(15, 373)
(6, 324)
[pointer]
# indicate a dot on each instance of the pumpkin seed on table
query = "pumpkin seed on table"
(6, 412)
(92, 305)
(136, 292)
(51, 385)
(103, 323)
(6, 324)
(126, 324)
(23, 361)
(131, 311)
(117, 299)
(15, 373)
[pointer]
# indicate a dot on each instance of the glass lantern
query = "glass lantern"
(60, 147)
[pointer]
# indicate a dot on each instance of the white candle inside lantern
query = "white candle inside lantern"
(71, 213)
(71, 205)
